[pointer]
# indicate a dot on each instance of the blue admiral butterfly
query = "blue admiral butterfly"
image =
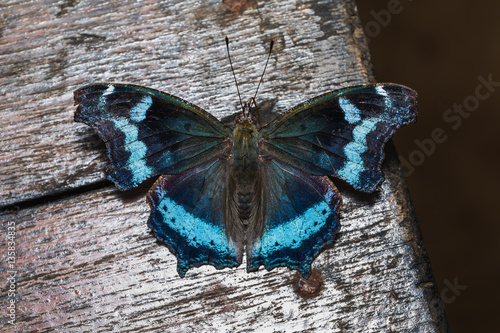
(259, 190)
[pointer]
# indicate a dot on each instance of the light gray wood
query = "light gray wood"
(50, 48)
(87, 262)
(90, 263)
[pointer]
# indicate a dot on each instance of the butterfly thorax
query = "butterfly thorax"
(245, 169)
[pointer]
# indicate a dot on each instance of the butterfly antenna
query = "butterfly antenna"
(234, 75)
(256, 110)
(262, 76)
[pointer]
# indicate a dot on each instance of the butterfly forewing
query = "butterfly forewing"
(148, 132)
(341, 133)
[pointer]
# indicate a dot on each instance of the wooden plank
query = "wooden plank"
(50, 48)
(89, 263)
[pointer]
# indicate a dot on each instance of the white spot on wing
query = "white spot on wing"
(381, 91)
(109, 91)
(387, 100)
(102, 99)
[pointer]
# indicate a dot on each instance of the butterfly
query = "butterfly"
(259, 191)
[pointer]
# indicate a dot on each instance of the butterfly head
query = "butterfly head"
(246, 119)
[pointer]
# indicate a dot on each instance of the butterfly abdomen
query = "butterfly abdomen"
(245, 170)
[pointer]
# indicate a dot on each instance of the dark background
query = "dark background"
(440, 48)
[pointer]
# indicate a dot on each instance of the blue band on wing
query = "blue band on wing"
(352, 113)
(135, 163)
(148, 132)
(341, 133)
(194, 241)
(354, 166)
(301, 213)
(187, 214)
(138, 112)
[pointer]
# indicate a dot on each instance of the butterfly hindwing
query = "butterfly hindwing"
(188, 214)
(301, 214)
(148, 132)
(341, 133)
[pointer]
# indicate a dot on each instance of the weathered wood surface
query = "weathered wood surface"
(88, 263)
(50, 48)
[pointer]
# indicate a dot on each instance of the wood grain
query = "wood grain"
(87, 262)
(90, 263)
(48, 49)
